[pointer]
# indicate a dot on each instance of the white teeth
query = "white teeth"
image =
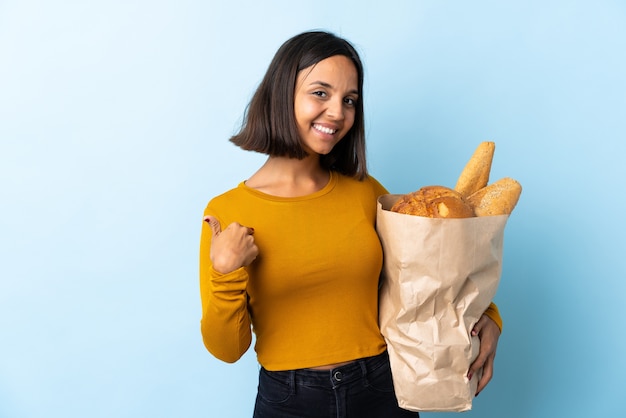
(324, 129)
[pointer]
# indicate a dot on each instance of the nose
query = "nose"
(335, 109)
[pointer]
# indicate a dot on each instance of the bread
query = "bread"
(499, 198)
(472, 196)
(475, 175)
(434, 202)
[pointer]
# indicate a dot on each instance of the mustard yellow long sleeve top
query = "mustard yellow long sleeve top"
(311, 296)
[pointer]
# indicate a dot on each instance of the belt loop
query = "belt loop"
(363, 367)
(292, 380)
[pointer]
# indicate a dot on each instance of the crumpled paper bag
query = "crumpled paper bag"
(439, 276)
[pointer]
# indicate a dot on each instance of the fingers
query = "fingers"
(488, 333)
(483, 352)
(478, 364)
(479, 325)
(484, 362)
(484, 365)
(487, 374)
(253, 253)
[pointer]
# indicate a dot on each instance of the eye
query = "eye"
(349, 101)
(319, 93)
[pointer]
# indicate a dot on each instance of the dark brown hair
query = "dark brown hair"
(269, 124)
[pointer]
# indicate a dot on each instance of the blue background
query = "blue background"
(114, 120)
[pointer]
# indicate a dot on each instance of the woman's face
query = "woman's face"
(325, 103)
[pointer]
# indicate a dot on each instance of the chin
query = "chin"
(324, 152)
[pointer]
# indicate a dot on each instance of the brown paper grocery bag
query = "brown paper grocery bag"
(439, 276)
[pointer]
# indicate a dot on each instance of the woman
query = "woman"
(293, 253)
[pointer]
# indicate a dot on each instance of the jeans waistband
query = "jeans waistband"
(334, 377)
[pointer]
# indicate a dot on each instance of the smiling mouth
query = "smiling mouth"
(324, 129)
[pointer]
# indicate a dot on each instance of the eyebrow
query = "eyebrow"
(328, 86)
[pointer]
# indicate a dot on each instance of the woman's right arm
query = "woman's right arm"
(225, 323)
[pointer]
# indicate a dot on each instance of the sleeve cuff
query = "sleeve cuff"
(493, 313)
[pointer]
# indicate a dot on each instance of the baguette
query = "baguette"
(499, 198)
(475, 175)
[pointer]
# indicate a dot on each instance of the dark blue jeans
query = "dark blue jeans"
(362, 389)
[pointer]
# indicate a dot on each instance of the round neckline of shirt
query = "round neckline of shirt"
(332, 181)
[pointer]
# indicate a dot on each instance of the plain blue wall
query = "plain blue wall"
(114, 119)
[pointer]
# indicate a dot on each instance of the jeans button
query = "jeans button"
(338, 376)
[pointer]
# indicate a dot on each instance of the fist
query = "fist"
(232, 248)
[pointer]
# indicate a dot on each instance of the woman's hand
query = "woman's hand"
(488, 333)
(231, 248)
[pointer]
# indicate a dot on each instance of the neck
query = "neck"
(290, 177)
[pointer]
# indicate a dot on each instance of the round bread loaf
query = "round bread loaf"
(434, 202)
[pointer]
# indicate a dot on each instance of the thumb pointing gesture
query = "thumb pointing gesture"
(214, 224)
(232, 248)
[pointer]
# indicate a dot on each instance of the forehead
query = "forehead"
(338, 71)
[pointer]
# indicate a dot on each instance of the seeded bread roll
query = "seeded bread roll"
(434, 202)
(475, 175)
(499, 198)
